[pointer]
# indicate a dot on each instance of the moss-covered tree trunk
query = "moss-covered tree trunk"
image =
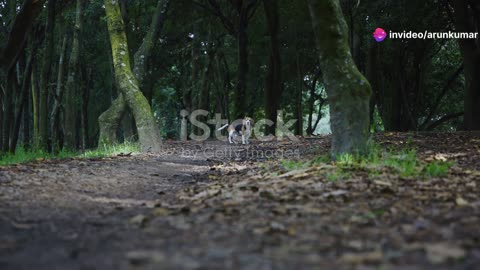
(72, 85)
(148, 133)
(111, 119)
(347, 89)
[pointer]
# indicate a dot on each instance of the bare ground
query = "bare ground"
(215, 206)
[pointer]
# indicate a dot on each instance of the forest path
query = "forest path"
(219, 206)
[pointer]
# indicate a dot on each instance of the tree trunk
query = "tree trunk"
(141, 59)
(45, 76)
(56, 111)
(311, 103)
(87, 75)
(298, 98)
(1, 119)
(467, 20)
(142, 56)
(148, 133)
(21, 102)
(204, 94)
(273, 83)
(348, 91)
(240, 102)
(8, 109)
(34, 107)
(18, 35)
(27, 141)
(109, 121)
(73, 79)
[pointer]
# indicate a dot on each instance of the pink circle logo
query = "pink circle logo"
(379, 35)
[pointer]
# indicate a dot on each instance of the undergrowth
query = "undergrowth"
(402, 162)
(23, 155)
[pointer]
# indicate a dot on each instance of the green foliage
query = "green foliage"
(291, 165)
(437, 168)
(338, 175)
(23, 155)
(405, 163)
(112, 150)
(166, 112)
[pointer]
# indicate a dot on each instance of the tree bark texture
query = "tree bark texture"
(148, 133)
(347, 89)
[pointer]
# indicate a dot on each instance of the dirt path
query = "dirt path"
(213, 206)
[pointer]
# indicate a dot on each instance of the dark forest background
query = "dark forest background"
(237, 57)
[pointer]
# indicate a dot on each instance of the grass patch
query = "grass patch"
(437, 168)
(23, 155)
(338, 175)
(112, 150)
(292, 165)
(402, 162)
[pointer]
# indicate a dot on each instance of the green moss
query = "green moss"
(148, 133)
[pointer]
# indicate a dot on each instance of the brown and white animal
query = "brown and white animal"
(244, 129)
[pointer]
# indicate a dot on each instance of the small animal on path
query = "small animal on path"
(244, 129)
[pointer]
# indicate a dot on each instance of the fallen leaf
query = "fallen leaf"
(461, 201)
(138, 220)
(441, 252)
(365, 257)
(382, 183)
(441, 157)
(160, 211)
(141, 257)
(335, 193)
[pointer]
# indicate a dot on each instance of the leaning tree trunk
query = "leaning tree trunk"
(148, 133)
(72, 82)
(17, 37)
(21, 101)
(348, 91)
(111, 119)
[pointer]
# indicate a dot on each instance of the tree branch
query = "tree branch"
(444, 119)
(440, 97)
(18, 35)
(217, 11)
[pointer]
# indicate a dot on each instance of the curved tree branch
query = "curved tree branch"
(18, 35)
(444, 119)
